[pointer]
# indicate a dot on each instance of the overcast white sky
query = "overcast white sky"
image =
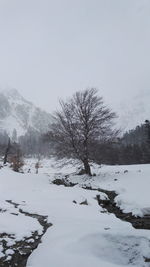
(51, 48)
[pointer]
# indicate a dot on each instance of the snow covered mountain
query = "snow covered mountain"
(16, 113)
(134, 111)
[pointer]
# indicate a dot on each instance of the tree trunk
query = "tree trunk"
(6, 152)
(87, 167)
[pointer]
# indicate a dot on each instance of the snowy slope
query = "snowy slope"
(20, 114)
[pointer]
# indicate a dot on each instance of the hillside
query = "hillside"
(19, 114)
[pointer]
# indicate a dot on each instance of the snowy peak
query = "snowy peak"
(19, 114)
(12, 93)
(134, 111)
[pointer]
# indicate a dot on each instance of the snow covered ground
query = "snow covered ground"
(81, 235)
(131, 182)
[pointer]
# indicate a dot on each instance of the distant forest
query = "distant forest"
(132, 148)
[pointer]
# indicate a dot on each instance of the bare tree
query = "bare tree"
(82, 121)
(37, 164)
(6, 152)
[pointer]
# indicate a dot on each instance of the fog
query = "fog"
(50, 49)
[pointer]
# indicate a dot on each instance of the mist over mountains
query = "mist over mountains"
(19, 114)
(134, 110)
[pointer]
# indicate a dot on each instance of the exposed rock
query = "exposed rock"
(84, 202)
(64, 182)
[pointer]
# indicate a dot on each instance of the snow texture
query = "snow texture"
(81, 235)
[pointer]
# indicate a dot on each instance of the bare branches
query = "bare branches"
(81, 120)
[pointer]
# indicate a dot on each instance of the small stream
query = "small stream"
(21, 249)
(110, 205)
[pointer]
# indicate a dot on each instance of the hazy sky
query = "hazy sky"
(51, 48)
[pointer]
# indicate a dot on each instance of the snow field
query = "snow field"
(81, 235)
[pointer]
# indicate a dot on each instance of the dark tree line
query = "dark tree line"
(33, 144)
(132, 148)
(4, 138)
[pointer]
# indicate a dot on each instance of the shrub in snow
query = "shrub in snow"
(17, 163)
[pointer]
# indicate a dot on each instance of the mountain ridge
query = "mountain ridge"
(17, 113)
